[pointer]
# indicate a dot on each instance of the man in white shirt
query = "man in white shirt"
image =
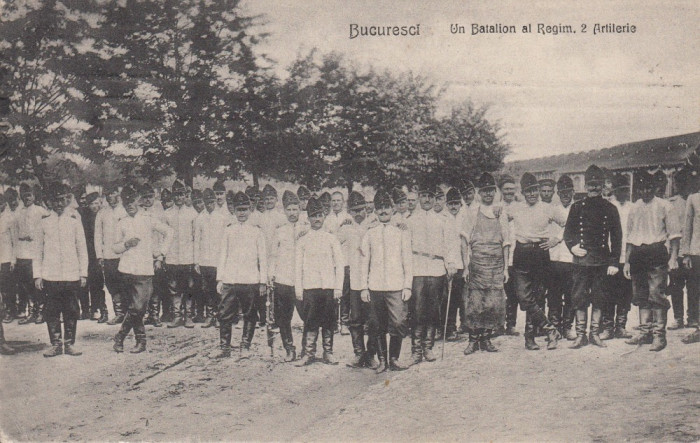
(220, 193)
(649, 226)
(454, 217)
(679, 277)
(304, 195)
(401, 212)
(268, 222)
(15, 305)
(105, 231)
(148, 207)
(180, 258)
(468, 192)
(432, 266)
(507, 187)
(140, 255)
(241, 275)
(7, 263)
(386, 277)
(60, 268)
(319, 267)
(412, 201)
(208, 227)
(691, 251)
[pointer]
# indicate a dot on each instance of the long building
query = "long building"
(668, 154)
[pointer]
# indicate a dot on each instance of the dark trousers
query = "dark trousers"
(389, 313)
(531, 267)
(61, 299)
(319, 308)
(589, 287)
(424, 304)
(511, 299)
(559, 294)
(95, 286)
(678, 279)
(8, 289)
(233, 297)
(455, 303)
(619, 298)
(160, 294)
(27, 293)
(649, 271)
(344, 306)
(285, 300)
(137, 290)
(693, 286)
(180, 285)
(211, 298)
(112, 278)
(198, 298)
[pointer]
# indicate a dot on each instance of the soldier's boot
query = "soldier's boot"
(104, 316)
(70, 327)
(692, 338)
(677, 324)
(188, 303)
(56, 338)
(210, 321)
(510, 330)
(607, 322)
(225, 330)
(594, 336)
(178, 321)
(357, 337)
(473, 344)
(382, 354)
(395, 342)
(302, 353)
(581, 322)
(140, 344)
(485, 342)
(310, 338)
(247, 338)
(620, 324)
(327, 336)
(530, 343)
(643, 336)
(428, 343)
(291, 354)
(4, 348)
(660, 317)
(369, 360)
(553, 336)
(119, 311)
(31, 318)
(39, 315)
(416, 347)
(122, 334)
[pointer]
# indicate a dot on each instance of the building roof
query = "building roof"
(667, 151)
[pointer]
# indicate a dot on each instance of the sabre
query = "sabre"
(270, 318)
(447, 310)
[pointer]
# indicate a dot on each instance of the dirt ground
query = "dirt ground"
(176, 392)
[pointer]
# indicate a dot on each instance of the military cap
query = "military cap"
(505, 179)
(528, 181)
(229, 197)
(208, 195)
(439, 192)
(289, 198)
(644, 179)
(565, 183)
(382, 199)
(356, 200)
(166, 195)
(620, 181)
(256, 194)
(314, 207)
(111, 188)
(453, 195)
(547, 182)
(398, 195)
(91, 197)
(197, 195)
(303, 192)
(179, 187)
(219, 186)
(24, 188)
(240, 200)
(79, 190)
(11, 194)
(427, 186)
(486, 181)
(467, 185)
(660, 178)
(325, 199)
(269, 191)
(129, 194)
(250, 191)
(146, 190)
(594, 175)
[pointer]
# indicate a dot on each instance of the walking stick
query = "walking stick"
(447, 314)
(270, 314)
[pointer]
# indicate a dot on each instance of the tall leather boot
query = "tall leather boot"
(395, 342)
(382, 354)
(189, 306)
(288, 342)
(594, 337)
(140, 344)
(121, 334)
(416, 344)
(581, 322)
(428, 343)
(473, 345)
(225, 330)
(4, 348)
(659, 329)
(310, 337)
(39, 314)
(327, 335)
(369, 360)
(643, 336)
(246, 338)
(485, 341)
(607, 322)
(119, 310)
(31, 318)
(54, 327)
(530, 343)
(178, 320)
(569, 320)
(620, 324)
(358, 347)
(70, 326)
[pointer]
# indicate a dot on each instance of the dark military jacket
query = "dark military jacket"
(594, 224)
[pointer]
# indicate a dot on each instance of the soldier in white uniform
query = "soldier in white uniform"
(7, 263)
(269, 221)
(105, 231)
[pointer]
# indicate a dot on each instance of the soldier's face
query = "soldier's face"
(242, 213)
(13, 204)
(95, 206)
(508, 191)
(427, 201)
(359, 214)
(270, 202)
(167, 204)
(302, 203)
(402, 206)
(384, 213)
(412, 201)
(260, 205)
(337, 202)
(622, 194)
(198, 205)
(220, 197)
(566, 196)
(594, 189)
(179, 198)
(647, 193)
(58, 205)
(113, 199)
(531, 195)
(454, 207)
(546, 193)
(147, 200)
(661, 191)
(316, 220)
(131, 208)
(469, 196)
(210, 205)
(326, 208)
(487, 195)
(292, 213)
(27, 198)
(439, 204)
(3, 205)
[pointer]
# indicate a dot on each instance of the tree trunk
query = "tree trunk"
(349, 185)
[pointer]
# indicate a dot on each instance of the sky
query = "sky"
(551, 94)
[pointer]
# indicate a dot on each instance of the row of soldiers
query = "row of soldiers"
(408, 263)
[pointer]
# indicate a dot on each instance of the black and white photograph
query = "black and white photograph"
(328, 220)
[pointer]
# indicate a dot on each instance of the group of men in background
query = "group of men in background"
(406, 263)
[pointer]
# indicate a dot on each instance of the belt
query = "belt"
(529, 245)
(425, 254)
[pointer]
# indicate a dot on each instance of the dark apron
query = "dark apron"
(484, 298)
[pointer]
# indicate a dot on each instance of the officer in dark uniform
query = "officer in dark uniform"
(593, 234)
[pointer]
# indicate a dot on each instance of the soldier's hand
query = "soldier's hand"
(403, 226)
(39, 283)
(406, 294)
(673, 264)
(101, 263)
(132, 242)
(578, 251)
(550, 243)
(158, 265)
(613, 270)
(12, 267)
(263, 289)
(197, 269)
(506, 276)
(626, 271)
(364, 295)
(299, 295)
(83, 282)
(465, 273)
(687, 263)
(347, 221)
(337, 293)
(451, 271)
(220, 287)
